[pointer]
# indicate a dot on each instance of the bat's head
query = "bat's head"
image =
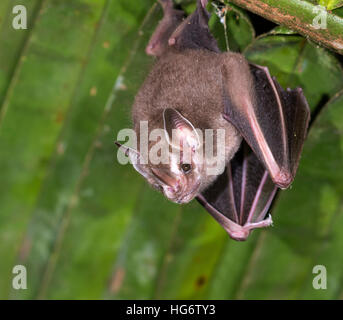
(175, 165)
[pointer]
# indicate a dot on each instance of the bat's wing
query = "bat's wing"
(181, 34)
(240, 198)
(273, 121)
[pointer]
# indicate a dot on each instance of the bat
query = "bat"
(193, 87)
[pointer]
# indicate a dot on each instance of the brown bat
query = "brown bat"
(193, 87)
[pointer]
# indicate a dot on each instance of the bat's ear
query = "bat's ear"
(179, 130)
(135, 158)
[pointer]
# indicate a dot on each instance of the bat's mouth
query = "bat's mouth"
(185, 198)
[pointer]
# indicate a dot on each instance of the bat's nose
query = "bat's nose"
(186, 196)
(175, 187)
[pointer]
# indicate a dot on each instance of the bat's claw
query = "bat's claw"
(241, 233)
(283, 179)
(172, 41)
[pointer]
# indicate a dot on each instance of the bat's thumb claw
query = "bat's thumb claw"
(172, 41)
(283, 179)
(149, 50)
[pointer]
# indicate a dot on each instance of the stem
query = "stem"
(299, 16)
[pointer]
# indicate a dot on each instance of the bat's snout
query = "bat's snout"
(187, 195)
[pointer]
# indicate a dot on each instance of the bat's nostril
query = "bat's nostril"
(177, 186)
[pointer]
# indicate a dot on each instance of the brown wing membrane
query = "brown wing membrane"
(273, 121)
(240, 198)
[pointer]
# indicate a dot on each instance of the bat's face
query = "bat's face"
(179, 180)
(178, 174)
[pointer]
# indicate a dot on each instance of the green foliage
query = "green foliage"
(238, 31)
(331, 4)
(87, 227)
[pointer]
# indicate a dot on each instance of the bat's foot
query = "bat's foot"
(241, 233)
(172, 18)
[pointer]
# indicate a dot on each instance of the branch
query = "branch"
(299, 16)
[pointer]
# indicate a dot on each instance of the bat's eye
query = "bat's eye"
(186, 167)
